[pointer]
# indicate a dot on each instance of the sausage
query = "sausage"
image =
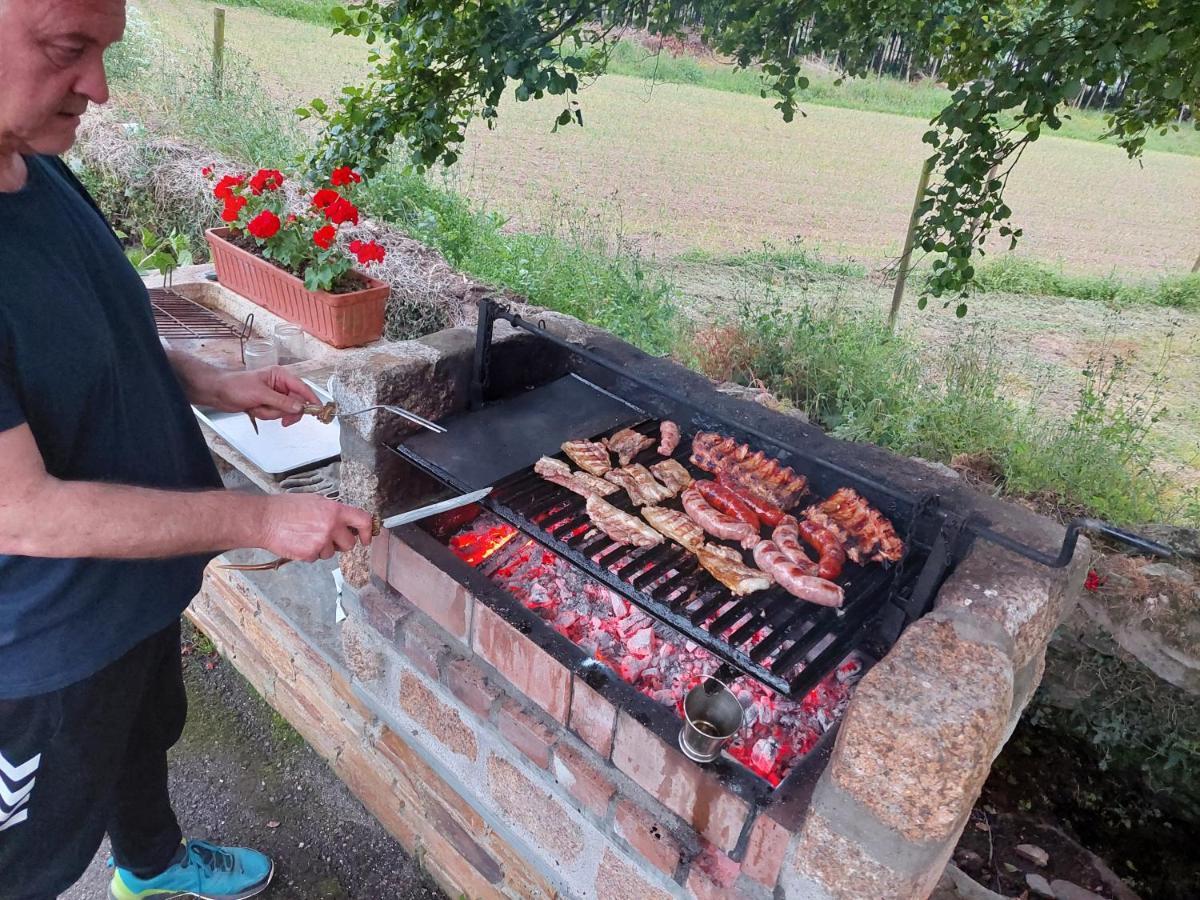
(794, 580)
(668, 437)
(716, 522)
(768, 512)
(826, 543)
(787, 537)
(726, 501)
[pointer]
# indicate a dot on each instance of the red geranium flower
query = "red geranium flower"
(323, 237)
(264, 225)
(206, 171)
(1093, 581)
(340, 211)
(343, 176)
(223, 189)
(233, 206)
(266, 180)
(324, 197)
(367, 252)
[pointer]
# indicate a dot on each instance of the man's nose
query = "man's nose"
(93, 82)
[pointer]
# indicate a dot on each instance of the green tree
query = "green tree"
(1013, 68)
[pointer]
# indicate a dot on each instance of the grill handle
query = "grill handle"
(1074, 528)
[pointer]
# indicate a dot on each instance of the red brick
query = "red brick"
(429, 589)
(423, 647)
(532, 670)
(379, 552)
(764, 852)
(462, 841)
(468, 684)
(442, 722)
(525, 732)
(583, 781)
(648, 836)
(536, 810)
(345, 692)
(593, 718)
(712, 875)
(678, 783)
(618, 880)
(384, 609)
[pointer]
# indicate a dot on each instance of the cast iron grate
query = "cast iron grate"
(782, 641)
(178, 317)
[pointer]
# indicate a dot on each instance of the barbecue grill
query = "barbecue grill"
(781, 641)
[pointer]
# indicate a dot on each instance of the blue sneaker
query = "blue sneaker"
(206, 871)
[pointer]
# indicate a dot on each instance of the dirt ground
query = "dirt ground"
(239, 768)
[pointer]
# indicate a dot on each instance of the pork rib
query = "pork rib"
(582, 483)
(865, 533)
(639, 484)
(725, 564)
(675, 525)
(754, 472)
(627, 444)
(589, 456)
(672, 474)
(620, 526)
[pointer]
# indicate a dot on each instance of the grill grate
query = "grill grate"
(779, 639)
(181, 318)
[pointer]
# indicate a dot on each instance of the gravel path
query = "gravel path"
(240, 767)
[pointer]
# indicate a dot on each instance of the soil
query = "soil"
(348, 283)
(1049, 791)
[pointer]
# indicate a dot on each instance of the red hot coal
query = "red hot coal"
(777, 732)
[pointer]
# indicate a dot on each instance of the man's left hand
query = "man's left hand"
(273, 393)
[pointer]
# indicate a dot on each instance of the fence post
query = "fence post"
(909, 238)
(1196, 267)
(218, 50)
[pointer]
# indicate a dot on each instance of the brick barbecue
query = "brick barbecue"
(515, 716)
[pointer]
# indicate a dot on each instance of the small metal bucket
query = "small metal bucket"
(712, 715)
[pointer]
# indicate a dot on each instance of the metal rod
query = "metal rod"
(483, 348)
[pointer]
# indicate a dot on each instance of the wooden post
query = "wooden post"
(218, 50)
(909, 238)
(1196, 267)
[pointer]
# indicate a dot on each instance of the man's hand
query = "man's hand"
(305, 527)
(273, 393)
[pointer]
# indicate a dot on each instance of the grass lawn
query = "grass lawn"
(690, 174)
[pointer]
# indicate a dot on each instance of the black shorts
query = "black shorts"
(87, 759)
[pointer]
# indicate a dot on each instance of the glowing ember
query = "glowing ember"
(655, 659)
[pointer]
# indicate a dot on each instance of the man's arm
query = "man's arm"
(43, 516)
(273, 393)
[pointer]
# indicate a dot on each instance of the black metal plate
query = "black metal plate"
(482, 447)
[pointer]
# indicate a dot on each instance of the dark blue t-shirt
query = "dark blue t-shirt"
(82, 365)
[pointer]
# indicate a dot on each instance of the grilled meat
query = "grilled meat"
(828, 545)
(787, 537)
(620, 526)
(796, 581)
(672, 474)
(668, 437)
(724, 499)
(725, 564)
(627, 444)
(675, 525)
(767, 512)
(589, 456)
(639, 484)
(865, 533)
(735, 465)
(581, 483)
(715, 522)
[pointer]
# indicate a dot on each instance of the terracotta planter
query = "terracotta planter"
(341, 320)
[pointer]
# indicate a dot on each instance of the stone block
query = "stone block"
(402, 375)
(689, 791)
(765, 850)
(525, 732)
(440, 720)
(429, 589)
(362, 657)
(533, 808)
(530, 669)
(919, 736)
(584, 781)
(648, 836)
(618, 879)
(468, 683)
(593, 718)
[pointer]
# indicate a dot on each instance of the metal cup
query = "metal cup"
(712, 715)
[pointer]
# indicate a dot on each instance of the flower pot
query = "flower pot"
(340, 320)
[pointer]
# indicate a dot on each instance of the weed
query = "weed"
(1015, 275)
(790, 259)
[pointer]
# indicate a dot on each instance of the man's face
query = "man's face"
(51, 66)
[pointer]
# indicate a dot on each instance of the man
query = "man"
(110, 505)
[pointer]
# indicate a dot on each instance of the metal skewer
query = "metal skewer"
(326, 412)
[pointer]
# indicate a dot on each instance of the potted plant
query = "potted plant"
(291, 262)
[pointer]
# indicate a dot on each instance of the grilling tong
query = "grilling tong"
(327, 412)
